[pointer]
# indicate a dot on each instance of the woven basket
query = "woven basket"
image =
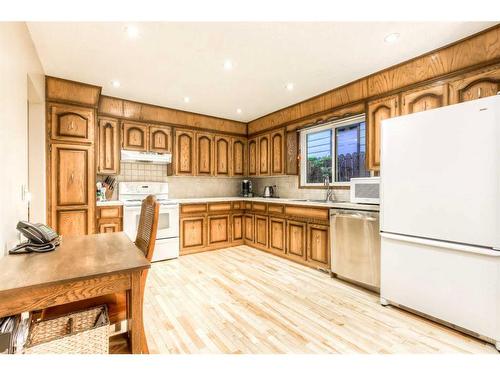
(82, 332)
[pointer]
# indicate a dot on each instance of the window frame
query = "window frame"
(332, 125)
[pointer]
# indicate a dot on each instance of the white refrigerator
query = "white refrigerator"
(440, 215)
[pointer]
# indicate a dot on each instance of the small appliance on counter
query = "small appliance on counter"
(246, 188)
(270, 191)
(365, 190)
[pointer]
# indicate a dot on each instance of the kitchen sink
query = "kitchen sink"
(314, 201)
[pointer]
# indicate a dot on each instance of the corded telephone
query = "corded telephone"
(41, 238)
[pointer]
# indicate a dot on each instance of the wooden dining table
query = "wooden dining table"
(81, 267)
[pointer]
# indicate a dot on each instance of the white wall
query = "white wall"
(19, 64)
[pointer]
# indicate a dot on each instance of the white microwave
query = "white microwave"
(365, 190)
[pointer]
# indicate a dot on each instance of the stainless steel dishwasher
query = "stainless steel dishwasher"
(355, 246)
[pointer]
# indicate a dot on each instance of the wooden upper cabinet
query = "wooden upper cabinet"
(160, 139)
(378, 111)
(71, 123)
(292, 152)
(263, 155)
(277, 154)
(185, 152)
(475, 86)
(205, 154)
(424, 99)
(222, 155)
(135, 136)
(252, 157)
(108, 147)
(238, 153)
(72, 189)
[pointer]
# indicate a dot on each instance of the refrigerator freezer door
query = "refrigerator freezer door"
(455, 286)
(440, 173)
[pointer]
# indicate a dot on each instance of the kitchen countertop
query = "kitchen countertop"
(294, 201)
(109, 203)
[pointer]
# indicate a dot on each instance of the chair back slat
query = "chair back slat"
(148, 226)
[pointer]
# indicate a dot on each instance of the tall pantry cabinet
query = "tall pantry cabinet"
(71, 165)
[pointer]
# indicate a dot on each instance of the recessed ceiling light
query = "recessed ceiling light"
(238, 111)
(228, 65)
(391, 38)
(290, 86)
(186, 99)
(115, 83)
(132, 31)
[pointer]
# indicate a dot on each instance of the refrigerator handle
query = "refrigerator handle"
(442, 244)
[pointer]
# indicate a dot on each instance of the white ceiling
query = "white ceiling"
(169, 61)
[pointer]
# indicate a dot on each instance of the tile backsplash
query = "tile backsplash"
(142, 172)
(288, 187)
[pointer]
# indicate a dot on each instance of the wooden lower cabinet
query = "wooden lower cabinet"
(219, 230)
(192, 234)
(249, 229)
(277, 235)
(237, 228)
(318, 245)
(109, 219)
(261, 238)
(301, 235)
(296, 234)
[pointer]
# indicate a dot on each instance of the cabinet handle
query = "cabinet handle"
(479, 92)
(425, 106)
(71, 125)
(71, 177)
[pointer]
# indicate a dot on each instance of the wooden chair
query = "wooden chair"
(117, 302)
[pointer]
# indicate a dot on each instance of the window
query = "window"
(335, 150)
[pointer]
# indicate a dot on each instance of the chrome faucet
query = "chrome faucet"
(329, 191)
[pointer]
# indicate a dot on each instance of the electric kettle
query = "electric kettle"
(268, 191)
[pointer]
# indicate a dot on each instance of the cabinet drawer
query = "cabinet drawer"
(109, 212)
(307, 212)
(276, 209)
(238, 205)
(193, 208)
(219, 206)
(259, 207)
(248, 205)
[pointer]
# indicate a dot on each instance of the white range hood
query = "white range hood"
(150, 157)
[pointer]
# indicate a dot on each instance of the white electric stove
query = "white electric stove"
(167, 237)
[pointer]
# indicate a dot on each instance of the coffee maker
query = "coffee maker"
(246, 188)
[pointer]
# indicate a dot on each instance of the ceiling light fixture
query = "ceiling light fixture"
(228, 65)
(238, 111)
(391, 38)
(290, 86)
(186, 99)
(115, 83)
(132, 31)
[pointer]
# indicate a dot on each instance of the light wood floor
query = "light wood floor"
(242, 300)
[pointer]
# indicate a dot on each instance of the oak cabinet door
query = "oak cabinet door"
(277, 235)
(296, 237)
(249, 229)
(261, 231)
(237, 228)
(277, 152)
(205, 154)
(71, 123)
(263, 155)
(109, 226)
(135, 136)
(318, 245)
(72, 189)
(292, 152)
(192, 234)
(108, 147)
(160, 139)
(238, 151)
(218, 230)
(378, 111)
(475, 86)
(252, 157)
(185, 152)
(222, 155)
(424, 99)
